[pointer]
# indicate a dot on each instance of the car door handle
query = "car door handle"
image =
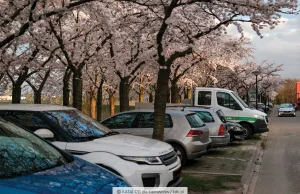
(127, 133)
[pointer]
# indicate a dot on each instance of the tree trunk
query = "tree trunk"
(112, 104)
(124, 95)
(99, 101)
(175, 97)
(93, 104)
(16, 94)
(142, 94)
(161, 95)
(66, 88)
(190, 93)
(77, 90)
(37, 97)
(151, 97)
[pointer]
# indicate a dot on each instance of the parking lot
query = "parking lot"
(222, 169)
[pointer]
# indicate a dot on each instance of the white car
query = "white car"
(142, 162)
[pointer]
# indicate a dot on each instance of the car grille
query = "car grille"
(169, 158)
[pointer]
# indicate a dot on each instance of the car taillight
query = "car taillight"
(194, 133)
(221, 130)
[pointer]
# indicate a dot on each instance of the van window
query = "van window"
(204, 98)
(226, 100)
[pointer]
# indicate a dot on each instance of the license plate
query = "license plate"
(176, 173)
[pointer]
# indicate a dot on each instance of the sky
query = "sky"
(280, 45)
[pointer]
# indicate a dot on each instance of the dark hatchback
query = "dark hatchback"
(29, 164)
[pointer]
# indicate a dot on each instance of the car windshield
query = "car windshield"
(286, 106)
(23, 153)
(240, 100)
(78, 125)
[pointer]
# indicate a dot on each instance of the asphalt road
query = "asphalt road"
(280, 170)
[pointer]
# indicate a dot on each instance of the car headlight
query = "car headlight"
(259, 117)
(142, 160)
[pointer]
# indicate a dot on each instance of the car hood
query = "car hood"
(286, 109)
(78, 176)
(124, 145)
(257, 112)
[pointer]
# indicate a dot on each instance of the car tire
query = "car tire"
(180, 153)
(247, 131)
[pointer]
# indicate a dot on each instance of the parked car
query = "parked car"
(184, 130)
(286, 110)
(142, 162)
(29, 164)
(260, 106)
(215, 121)
(237, 131)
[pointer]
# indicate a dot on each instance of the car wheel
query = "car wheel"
(180, 153)
(247, 131)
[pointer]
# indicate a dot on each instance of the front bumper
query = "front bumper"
(196, 149)
(138, 175)
(220, 141)
(260, 126)
(292, 113)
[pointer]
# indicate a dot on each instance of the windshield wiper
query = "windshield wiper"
(111, 133)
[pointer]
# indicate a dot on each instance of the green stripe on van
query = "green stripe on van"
(241, 118)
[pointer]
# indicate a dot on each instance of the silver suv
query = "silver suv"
(184, 130)
(215, 120)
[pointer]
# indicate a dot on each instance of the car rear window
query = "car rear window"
(194, 120)
(221, 116)
(205, 116)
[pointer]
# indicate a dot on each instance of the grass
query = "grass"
(256, 136)
(263, 145)
(208, 183)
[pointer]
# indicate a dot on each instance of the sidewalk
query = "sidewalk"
(229, 162)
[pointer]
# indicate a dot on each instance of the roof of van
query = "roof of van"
(214, 89)
(34, 107)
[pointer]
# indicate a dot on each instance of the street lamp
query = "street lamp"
(256, 72)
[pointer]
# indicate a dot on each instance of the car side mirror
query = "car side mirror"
(44, 133)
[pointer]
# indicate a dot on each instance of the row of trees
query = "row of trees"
(157, 47)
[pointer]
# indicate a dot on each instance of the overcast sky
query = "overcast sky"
(280, 45)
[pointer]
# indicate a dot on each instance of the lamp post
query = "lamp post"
(256, 72)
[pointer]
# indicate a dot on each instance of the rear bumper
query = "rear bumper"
(260, 126)
(220, 141)
(197, 149)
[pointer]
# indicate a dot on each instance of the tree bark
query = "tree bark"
(99, 101)
(142, 94)
(190, 93)
(37, 97)
(77, 90)
(112, 104)
(151, 98)
(124, 95)
(161, 95)
(16, 93)
(175, 97)
(66, 87)
(93, 104)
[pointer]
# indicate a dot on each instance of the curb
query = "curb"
(247, 175)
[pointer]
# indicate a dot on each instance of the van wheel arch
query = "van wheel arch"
(249, 131)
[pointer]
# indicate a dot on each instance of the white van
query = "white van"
(234, 108)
